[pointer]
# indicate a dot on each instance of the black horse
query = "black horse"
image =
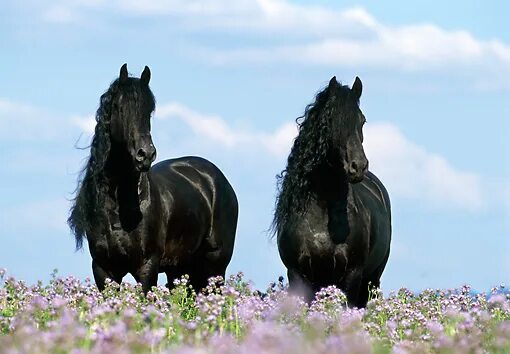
(332, 217)
(178, 217)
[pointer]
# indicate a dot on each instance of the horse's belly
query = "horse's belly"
(185, 236)
(178, 251)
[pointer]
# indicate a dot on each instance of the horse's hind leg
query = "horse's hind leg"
(170, 278)
(199, 270)
(208, 268)
(174, 273)
(217, 248)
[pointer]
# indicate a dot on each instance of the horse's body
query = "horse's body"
(342, 239)
(178, 217)
(333, 218)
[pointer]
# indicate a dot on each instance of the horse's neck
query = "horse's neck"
(334, 194)
(330, 185)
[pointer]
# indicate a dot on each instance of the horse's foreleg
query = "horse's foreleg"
(200, 273)
(147, 275)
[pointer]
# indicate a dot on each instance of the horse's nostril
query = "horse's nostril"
(354, 167)
(141, 155)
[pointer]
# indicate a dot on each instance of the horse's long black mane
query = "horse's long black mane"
(88, 211)
(309, 151)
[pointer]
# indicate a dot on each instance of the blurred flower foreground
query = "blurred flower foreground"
(71, 316)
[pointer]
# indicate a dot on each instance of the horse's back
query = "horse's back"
(189, 177)
(196, 170)
(187, 164)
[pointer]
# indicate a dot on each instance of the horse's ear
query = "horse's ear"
(146, 76)
(123, 76)
(332, 84)
(357, 88)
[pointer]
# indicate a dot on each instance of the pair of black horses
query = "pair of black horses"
(332, 216)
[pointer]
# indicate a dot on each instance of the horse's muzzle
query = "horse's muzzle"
(356, 171)
(145, 157)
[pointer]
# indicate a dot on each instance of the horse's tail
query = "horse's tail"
(78, 216)
(76, 224)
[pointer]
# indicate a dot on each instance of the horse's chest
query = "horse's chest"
(329, 230)
(115, 243)
(122, 243)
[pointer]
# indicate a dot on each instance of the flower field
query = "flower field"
(72, 316)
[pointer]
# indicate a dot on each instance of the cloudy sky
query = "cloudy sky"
(230, 77)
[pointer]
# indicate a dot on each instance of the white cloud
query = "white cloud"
(86, 123)
(60, 15)
(216, 129)
(266, 16)
(316, 35)
(411, 172)
(363, 42)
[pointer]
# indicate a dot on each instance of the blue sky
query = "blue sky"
(230, 78)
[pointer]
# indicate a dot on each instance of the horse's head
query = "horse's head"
(346, 128)
(130, 125)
